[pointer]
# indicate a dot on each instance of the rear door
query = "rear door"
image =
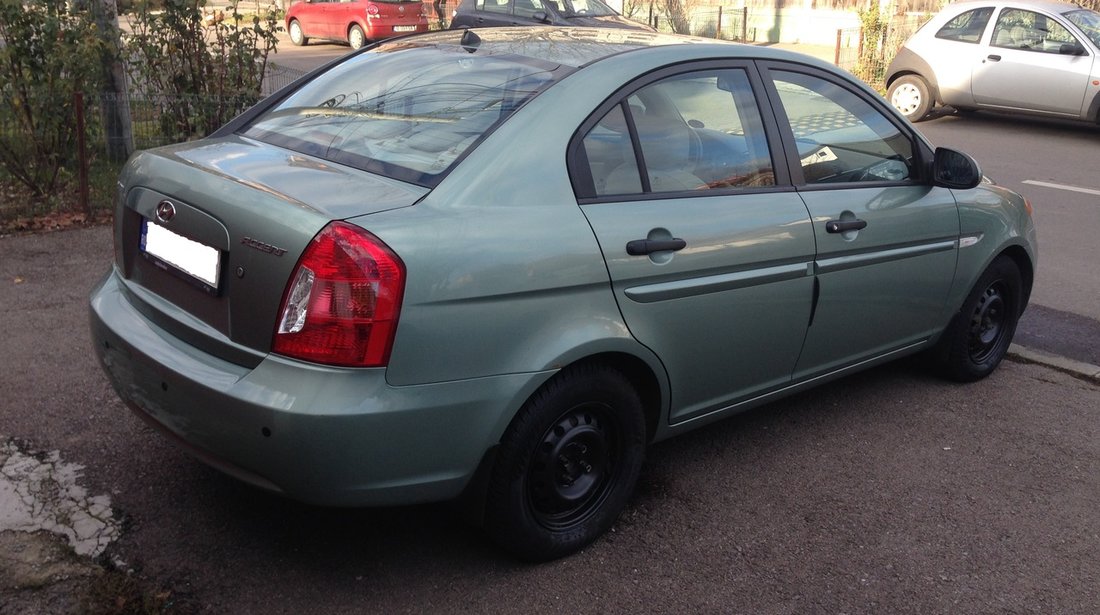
(708, 246)
(886, 238)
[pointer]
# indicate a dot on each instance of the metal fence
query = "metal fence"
(87, 172)
(868, 57)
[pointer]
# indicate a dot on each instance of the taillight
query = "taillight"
(372, 10)
(342, 303)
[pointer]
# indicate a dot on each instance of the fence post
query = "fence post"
(718, 30)
(839, 39)
(745, 24)
(82, 156)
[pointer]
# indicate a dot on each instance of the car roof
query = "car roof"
(569, 46)
(580, 46)
(1050, 6)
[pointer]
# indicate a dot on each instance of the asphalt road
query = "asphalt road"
(892, 491)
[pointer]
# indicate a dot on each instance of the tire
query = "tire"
(297, 36)
(909, 94)
(567, 464)
(356, 38)
(980, 333)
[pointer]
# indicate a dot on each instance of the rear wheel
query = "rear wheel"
(356, 38)
(297, 36)
(567, 464)
(909, 95)
(979, 336)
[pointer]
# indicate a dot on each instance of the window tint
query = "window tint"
(967, 27)
(495, 6)
(1088, 21)
(699, 131)
(1030, 31)
(528, 8)
(840, 136)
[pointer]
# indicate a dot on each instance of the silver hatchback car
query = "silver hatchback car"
(1027, 57)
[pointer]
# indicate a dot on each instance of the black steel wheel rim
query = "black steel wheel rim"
(573, 467)
(989, 323)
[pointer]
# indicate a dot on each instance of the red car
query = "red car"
(354, 21)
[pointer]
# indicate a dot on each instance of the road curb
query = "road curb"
(1078, 369)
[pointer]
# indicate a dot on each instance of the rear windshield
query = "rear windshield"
(404, 110)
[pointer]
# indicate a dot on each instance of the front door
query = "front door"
(886, 239)
(1025, 67)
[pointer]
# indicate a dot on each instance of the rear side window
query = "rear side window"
(966, 27)
(401, 110)
(693, 132)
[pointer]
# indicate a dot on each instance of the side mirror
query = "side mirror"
(954, 169)
(541, 17)
(1071, 49)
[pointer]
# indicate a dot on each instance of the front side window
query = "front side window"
(582, 8)
(839, 135)
(966, 27)
(694, 132)
(1030, 31)
(494, 6)
(403, 110)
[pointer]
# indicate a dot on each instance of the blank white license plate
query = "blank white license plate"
(404, 28)
(196, 261)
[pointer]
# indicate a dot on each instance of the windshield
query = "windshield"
(1089, 23)
(582, 8)
(403, 110)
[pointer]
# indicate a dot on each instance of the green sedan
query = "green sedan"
(495, 265)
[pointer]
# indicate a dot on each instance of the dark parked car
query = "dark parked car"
(497, 264)
(481, 13)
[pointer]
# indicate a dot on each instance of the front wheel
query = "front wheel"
(297, 36)
(356, 38)
(979, 335)
(567, 465)
(910, 95)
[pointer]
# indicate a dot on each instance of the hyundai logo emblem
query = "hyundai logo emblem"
(165, 211)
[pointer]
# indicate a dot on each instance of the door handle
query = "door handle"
(994, 58)
(841, 226)
(641, 247)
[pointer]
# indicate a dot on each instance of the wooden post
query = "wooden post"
(82, 157)
(718, 30)
(745, 25)
(839, 38)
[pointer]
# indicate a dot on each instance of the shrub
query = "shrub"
(205, 71)
(49, 54)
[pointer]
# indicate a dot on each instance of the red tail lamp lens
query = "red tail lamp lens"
(372, 10)
(342, 303)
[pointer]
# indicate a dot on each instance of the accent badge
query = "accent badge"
(165, 211)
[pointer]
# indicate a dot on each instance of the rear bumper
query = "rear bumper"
(322, 435)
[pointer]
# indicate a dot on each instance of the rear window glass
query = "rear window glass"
(966, 27)
(404, 110)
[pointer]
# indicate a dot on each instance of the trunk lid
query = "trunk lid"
(238, 213)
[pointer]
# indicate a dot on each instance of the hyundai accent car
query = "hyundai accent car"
(1038, 58)
(495, 265)
(485, 13)
(355, 22)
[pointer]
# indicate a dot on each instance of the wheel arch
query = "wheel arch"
(908, 63)
(1027, 270)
